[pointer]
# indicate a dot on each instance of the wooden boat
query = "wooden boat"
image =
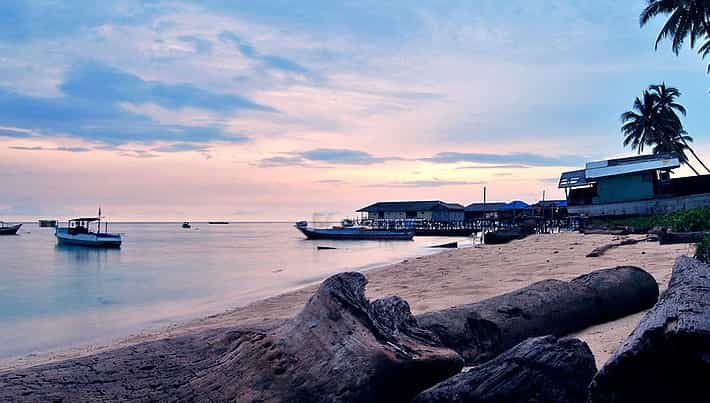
(47, 223)
(186, 225)
(77, 232)
(443, 231)
(345, 232)
(450, 245)
(9, 229)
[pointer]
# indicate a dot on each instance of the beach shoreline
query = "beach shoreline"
(440, 280)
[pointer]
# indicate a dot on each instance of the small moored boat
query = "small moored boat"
(349, 232)
(6, 229)
(186, 225)
(47, 223)
(78, 232)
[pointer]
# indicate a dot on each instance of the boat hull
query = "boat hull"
(443, 232)
(356, 234)
(89, 240)
(12, 230)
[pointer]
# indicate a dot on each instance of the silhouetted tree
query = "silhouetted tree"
(654, 124)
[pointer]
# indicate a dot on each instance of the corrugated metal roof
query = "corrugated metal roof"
(410, 206)
(516, 205)
(573, 178)
(481, 207)
(628, 166)
(618, 166)
(551, 203)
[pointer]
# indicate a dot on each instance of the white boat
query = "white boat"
(347, 231)
(78, 232)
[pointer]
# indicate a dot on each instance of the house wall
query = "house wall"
(436, 215)
(398, 215)
(623, 188)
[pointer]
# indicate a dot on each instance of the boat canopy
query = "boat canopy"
(85, 219)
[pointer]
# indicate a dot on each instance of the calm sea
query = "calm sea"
(54, 297)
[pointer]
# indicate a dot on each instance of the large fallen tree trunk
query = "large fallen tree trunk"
(668, 238)
(543, 369)
(482, 330)
(667, 357)
(338, 348)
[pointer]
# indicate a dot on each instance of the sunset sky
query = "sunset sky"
(284, 110)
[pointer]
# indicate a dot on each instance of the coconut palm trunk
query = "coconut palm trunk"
(695, 155)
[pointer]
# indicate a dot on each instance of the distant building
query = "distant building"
(495, 210)
(638, 185)
(478, 211)
(434, 210)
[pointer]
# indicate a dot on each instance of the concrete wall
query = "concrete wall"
(643, 207)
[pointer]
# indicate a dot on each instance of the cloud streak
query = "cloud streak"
(528, 159)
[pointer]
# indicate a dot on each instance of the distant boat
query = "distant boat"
(186, 225)
(78, 232)
(6, 229)
(349, 232)
(47, 223)
(217, 222)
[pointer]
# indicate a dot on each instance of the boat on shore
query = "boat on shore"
(347, 231)
(6, 229)
(78, 233)
(47, 223)
(218, 222)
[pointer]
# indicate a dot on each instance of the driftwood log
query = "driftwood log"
(543, 369)
(340, 347)
(667, 357)
(603, 231)
(668, 237)
(484, 329)
(600, 251)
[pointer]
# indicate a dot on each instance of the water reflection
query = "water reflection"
(82, 255)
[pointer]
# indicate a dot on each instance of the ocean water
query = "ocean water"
(55, 297)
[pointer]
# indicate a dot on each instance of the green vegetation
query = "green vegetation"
(697, 219)
(702, 250)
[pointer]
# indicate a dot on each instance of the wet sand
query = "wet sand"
(450, 278)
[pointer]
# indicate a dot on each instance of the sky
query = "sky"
(285, 110)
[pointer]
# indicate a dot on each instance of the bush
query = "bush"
(702, 250)
(697, 219)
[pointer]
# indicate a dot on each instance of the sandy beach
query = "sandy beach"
(450, 278)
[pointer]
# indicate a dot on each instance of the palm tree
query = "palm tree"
(687, 19)
(650, 124)
(639, 124)
(667, 105)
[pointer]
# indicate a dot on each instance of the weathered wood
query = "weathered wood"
(667, 357)
(450, 245)
(543, 369)
(482, 330)
(603, 231)
(340, 347)
(503, 236)
(605, 248)
(669, 238)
